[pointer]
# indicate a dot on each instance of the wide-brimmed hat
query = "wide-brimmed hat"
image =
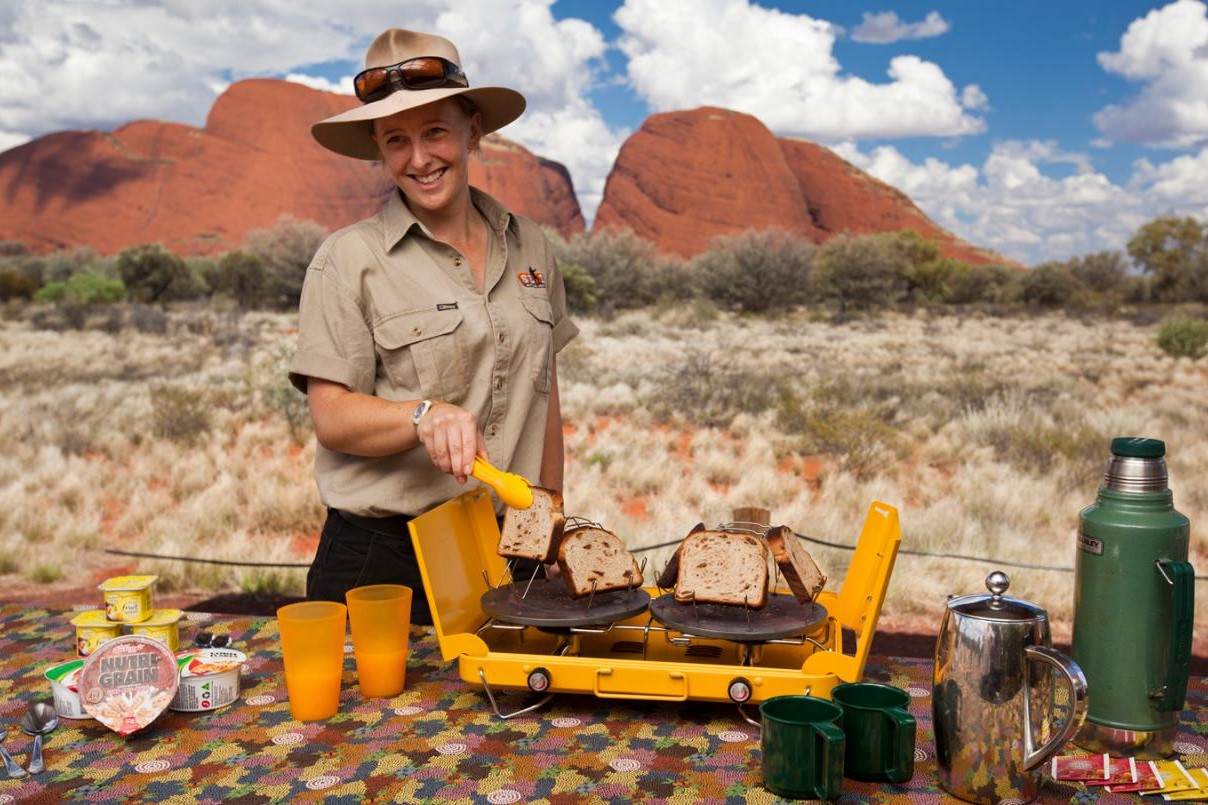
(347, 134)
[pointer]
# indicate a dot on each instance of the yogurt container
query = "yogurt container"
(209, 679)
(128, 598)
(63, 679)
(93, 629)
(128, 682)
(162, 626)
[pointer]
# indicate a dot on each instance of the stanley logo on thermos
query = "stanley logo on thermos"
(1090, 544)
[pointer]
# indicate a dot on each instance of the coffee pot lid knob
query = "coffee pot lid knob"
(997, 583)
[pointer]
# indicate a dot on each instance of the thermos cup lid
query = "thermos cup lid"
(1136, 447)
(1136, 465)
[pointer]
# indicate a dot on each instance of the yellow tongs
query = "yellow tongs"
(512, 489)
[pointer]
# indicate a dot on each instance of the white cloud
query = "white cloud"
(885, 27)
(1165, 52)
(66, 64)
(1012, 205)
(780, 68)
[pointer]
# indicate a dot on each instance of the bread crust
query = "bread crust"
(723, 567)
(595, 560)
(802, 573)
(666, 579)
(535, 532)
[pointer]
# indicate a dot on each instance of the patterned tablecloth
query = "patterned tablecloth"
(439, 741)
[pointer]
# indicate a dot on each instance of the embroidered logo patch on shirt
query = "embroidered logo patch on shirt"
(531, 278)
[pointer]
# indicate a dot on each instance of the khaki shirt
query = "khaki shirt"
(388, 310)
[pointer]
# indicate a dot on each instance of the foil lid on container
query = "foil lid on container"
(128, 682)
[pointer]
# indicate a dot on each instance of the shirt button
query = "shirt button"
(457, 261)
(499, 384)
(502, 338)
(418, 331)
(494, 430)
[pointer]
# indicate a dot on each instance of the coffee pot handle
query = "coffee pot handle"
(1072, 675)
(1182, 596)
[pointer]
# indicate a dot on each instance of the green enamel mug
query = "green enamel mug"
(802, 747)
(879, 731)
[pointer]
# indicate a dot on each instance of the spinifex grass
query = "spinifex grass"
(989, 435)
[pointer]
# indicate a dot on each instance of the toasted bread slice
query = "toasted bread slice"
(800, 570)
(666, 579)
(534, 533)
(595, 560)
(723, 567)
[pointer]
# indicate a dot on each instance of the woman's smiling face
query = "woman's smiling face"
(427, 151)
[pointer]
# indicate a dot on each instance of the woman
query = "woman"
(427, 333)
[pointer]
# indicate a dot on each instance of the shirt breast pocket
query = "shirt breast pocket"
(541, 339)
(420, 352)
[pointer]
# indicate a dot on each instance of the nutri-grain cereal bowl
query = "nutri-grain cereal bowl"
(63, 679)
(128, 682)
(209, 679)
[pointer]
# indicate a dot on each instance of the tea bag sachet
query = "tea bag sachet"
(1117, 771)
(1148, 779)
(1176, 780)
(1082, 768)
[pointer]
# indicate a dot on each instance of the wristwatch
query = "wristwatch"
(419, 412)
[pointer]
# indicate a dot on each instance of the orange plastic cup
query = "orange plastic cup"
(381, 616)
(312, 648)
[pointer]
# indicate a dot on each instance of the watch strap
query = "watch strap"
(420, 410)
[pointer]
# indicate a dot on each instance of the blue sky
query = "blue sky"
(1040, 129)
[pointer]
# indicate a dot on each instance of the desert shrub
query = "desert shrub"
(824, 422)
(755, 272)
(1183, 337)
(1099, 272)
(149, 272)
(179, 414)
(627, 271)
(931, 280)
(580, 289)
(240, 276)
(969, 284)
(15, 285)
(1048, 285)
(12, 248)
(82, 289)
(859, 272)
(285, 250)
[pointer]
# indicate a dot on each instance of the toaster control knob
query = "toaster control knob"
(740, 690)
(538, 680)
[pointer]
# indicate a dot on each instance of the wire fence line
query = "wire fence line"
(901, 551)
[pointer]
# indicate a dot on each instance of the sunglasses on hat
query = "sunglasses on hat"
(423, 72)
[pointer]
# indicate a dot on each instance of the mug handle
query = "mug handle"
(901, 726)
(828, 760)
(1073, 677)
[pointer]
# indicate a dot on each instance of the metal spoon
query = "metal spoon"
(10, 765)
(40, 720)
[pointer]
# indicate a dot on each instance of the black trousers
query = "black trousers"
(356, 551)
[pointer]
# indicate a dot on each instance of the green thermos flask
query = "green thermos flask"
(1134, 594)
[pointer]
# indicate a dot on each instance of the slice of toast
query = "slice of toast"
(534, 533)
(800, 570)
(595, 560)
(723, 567)
(666, 579)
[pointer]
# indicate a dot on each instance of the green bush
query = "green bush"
(1048, 285)
(285, 250)
(84, 288)
(149, 272)
(860, 272)
(1183, 337)
(241, 276)
(580, 289)
(628, 272)
(756, 272)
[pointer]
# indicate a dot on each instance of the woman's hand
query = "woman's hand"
(450, 435)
